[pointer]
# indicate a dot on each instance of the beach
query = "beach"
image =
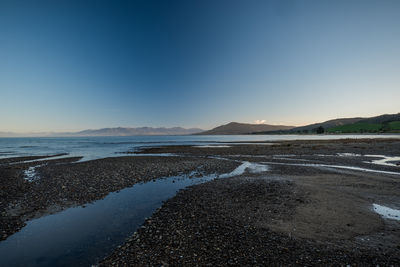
(291, 203)
(72, 184)
(290, 215)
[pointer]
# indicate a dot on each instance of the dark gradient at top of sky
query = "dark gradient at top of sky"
(70, 65)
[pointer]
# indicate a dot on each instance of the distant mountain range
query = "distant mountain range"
(244, 128)
(119, 131)
(388, 123)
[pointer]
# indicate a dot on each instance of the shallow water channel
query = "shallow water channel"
(82, 236)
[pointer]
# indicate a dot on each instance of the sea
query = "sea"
(91, 148)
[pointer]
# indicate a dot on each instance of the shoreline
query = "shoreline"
(290, 215)
(65, 183)
(301, 208)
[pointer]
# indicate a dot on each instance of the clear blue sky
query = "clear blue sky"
(72, 65)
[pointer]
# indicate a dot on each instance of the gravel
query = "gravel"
(62, 183)
(290, 215)
(218, 224)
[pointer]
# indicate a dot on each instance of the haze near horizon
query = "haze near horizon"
(76, 65)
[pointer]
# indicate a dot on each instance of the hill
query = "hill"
(380, 124)
(386, 123)
(383, 118)
(326, 124)
(366, 127)
(243, 128)
(119, 131)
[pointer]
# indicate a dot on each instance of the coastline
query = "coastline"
(65, 183)
(290, 215)
(302, 209)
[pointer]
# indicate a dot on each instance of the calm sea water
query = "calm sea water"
(101, 147)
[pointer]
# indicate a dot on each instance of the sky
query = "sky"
(74, 65)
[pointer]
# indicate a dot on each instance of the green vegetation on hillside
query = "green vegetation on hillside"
(365, 127)
(395, 125)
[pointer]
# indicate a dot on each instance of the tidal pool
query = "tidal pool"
(84, 235)
(387, 212)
